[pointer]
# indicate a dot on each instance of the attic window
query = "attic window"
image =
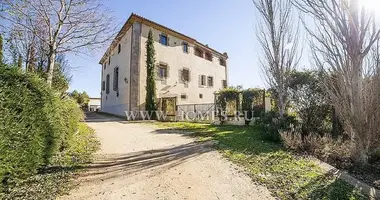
(164, 39)
(222, 62)
(208, 56)
(185, 47)
(198, 52)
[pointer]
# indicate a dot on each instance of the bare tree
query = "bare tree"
(67, 25)
(342, 41)
(24, 43)
(278, 37)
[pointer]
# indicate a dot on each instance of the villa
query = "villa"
(187, 71)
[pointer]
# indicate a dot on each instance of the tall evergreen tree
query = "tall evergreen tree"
(1, 49)
(150, 100)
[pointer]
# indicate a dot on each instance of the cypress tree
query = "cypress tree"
(150, 100)
(1, 49)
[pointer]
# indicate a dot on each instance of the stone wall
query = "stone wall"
(135, 67)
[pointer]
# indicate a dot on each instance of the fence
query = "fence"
(196, 112)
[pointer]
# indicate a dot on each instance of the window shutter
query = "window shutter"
(114, 79)
(157, 69)
(107, 84)
(200, 80)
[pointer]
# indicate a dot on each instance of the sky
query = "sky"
(225, 25)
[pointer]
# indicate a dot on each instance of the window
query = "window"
(222, 62)
(210, 81)
(198, 52)
(119, 49)
(164, 39)
(202, 80)
(109, 60)
(185, 47)
(208, 56)
(116, 79)
(185, 75)
(108, 84)
(103, 85)
(224, 83)
(162, 71)
(183, 96)
(201, 96)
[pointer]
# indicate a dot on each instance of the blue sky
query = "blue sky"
(225, 25)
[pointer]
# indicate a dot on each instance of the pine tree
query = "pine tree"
(1, 49)
(150, 101)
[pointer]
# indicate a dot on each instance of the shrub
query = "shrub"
(271, 124)
(79, 147)
(35, 124)
(326, 148)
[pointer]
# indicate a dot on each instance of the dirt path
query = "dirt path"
(139, 162)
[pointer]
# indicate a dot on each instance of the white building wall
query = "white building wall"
(110, 102)
(176, 59)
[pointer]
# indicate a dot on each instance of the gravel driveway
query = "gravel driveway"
(137, 161)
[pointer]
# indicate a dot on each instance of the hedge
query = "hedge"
(35, 124)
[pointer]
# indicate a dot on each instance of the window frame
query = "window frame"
(224, 83)
(185, 47)
(116, 78)
(166, 68)
(222, 62)
(108, 83)
(197, 49)
(162, 35)
(208, 56)
(208, 81)
(183, 77)
(203, 80)
(119, 49)
(183, 96)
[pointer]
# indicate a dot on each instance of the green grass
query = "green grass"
(285, 174)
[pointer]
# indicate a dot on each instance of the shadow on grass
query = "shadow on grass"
(286, 174)
(329, 187)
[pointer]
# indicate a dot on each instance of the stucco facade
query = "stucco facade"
(128, 53)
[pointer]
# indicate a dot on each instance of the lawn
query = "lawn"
(286, 174)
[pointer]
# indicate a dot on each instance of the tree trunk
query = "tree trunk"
(281, 104)
(359, 152)
(51, 63)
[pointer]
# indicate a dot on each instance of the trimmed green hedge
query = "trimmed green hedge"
(35, 124)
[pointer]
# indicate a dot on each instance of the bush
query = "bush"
(36, 125)
(326, 148)
(271, 124)
(79, 147)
